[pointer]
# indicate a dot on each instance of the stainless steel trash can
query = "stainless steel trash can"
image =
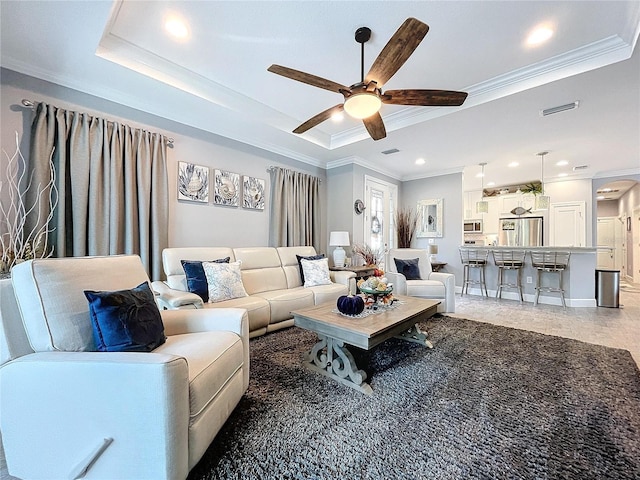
(608, 288)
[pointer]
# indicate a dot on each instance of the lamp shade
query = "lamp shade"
(542, 202)
(338, 239)
(482, 206)
(433, 249)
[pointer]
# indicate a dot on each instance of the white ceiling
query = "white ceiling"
(217, 79)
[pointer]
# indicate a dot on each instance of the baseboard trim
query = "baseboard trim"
(529, 298)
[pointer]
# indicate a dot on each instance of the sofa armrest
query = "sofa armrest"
(449, 281)
(399, 282)
(341, 276)
(171, 299)
(58, 408)
(235, 320)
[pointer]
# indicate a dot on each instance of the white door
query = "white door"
(606, 238)
(568, 226)
(635, 258)
(379, 228)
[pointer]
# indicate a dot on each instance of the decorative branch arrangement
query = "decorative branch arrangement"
(369, 255)
(17, 244)
(406, 224)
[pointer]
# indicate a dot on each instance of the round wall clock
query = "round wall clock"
(358, 206)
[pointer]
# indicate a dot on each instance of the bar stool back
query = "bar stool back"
(550, 262)
(509, 260)
(474, 258)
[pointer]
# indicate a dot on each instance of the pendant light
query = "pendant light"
(542, 200)
(482, 206)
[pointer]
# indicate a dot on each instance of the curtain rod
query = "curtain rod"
(31, 104)
(271, 168)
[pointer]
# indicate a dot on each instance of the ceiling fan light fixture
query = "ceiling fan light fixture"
(362, 105)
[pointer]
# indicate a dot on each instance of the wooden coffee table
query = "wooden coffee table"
(331, 356)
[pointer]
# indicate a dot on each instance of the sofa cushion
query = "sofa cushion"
(257, 308)
(426, 288)
(408, 267)
(307, 257)
(283, 302)
(316, 272)
(213, 359)
(125, 320)
(52, 324)
(172, 262)
(328, 293)
(196, 279)
(224, 281)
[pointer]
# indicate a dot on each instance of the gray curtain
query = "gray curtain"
(295, 209)
(112, 185)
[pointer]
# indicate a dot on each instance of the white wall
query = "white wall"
(190, 224)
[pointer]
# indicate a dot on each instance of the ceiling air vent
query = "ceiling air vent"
(390, 151)
(560, 108)
(580, 167)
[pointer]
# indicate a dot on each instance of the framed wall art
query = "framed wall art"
(193, 182)
(429, 218)
(226, 188)
(253, 192)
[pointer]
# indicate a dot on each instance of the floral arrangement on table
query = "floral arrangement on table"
(17, 242)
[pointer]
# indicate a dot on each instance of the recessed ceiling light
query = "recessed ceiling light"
(491, 184)
(600, 197)
(539, 35)
(337, 117)
(563, 174)
(562, 163)
(607, 190)
(479, 175)
(420, 161)
(176, 26)
(513, 164)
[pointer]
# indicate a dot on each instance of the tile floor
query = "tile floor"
(612, 327)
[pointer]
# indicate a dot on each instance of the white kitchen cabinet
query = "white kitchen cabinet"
(492, 217)
(470, 199)
(510, 201)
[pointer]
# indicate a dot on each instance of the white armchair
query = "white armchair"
(66, 410)
(432, 285)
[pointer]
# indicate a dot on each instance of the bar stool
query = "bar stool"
(509, 260)
(474, 258)
(550, 262)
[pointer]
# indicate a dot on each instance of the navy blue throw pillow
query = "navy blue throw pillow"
(196, 280)
(409, 268)
(125, 320)
(310, 257)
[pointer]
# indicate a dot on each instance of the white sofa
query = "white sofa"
(271, 277)
(60, 400)
(432, 285)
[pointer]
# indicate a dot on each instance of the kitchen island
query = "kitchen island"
(579, 279)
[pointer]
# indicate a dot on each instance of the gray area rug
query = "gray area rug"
(487, 402)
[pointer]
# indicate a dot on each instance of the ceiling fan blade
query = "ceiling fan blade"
(427, 98)
(307, 78)
(375, 126)
(397, 50)
(319, 118)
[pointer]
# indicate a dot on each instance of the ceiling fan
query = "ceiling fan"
(363, 99)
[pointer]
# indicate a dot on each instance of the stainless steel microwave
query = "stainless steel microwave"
(472, 226)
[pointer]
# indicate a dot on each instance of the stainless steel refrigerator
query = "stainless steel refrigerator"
(520, 232)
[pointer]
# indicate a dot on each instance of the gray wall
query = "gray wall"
(607, 208)
(190, 224)
(449, 188)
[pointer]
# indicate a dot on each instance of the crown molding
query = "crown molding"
(439, 173)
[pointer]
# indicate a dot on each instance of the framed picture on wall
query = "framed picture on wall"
(193, 182)
(226, 188)
(253, 192)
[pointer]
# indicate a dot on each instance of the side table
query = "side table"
(361, 272)
(436, 266)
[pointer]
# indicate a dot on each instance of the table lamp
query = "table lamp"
(339, 240)
(433, 250)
